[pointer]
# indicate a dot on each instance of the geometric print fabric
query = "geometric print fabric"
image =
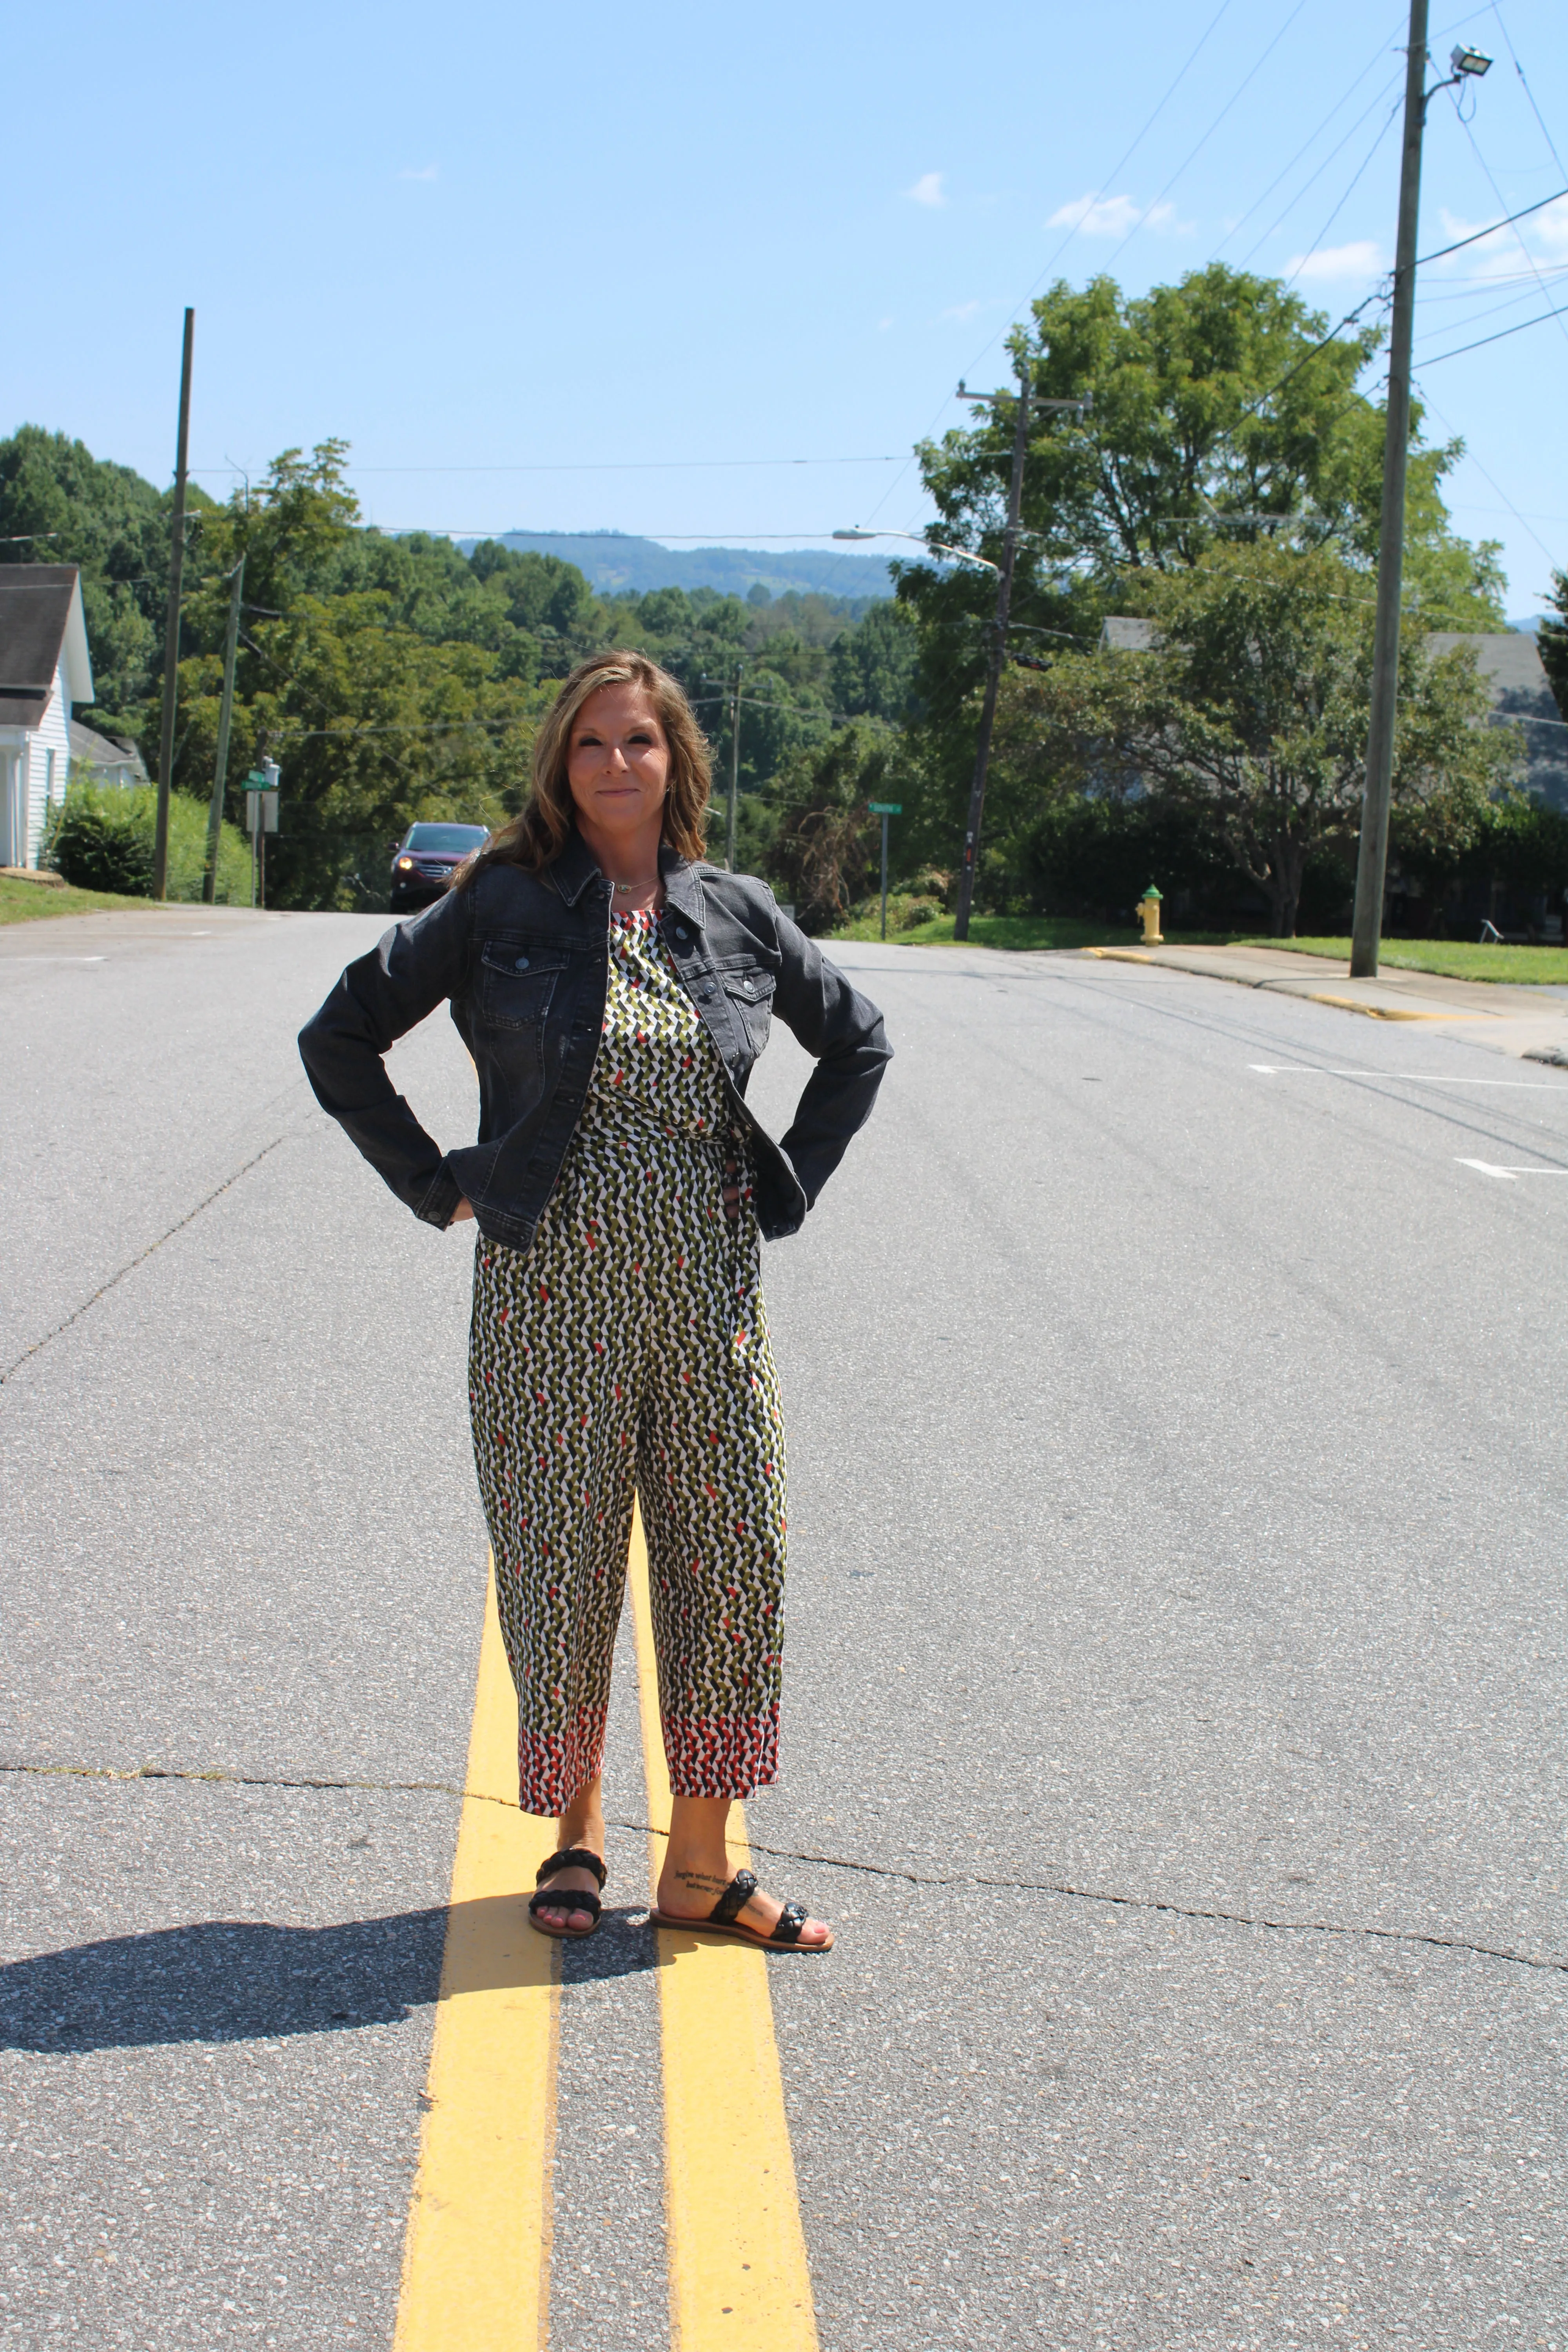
(626, 1348)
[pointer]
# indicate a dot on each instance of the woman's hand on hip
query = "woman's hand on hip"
(463, 1211)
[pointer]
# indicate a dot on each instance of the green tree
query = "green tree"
(1553, 641)
(827, 843)
(1250, 708)
(1224, 415)
(60, 504)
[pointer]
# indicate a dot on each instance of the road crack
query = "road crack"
(140, 1259)
(1063, 1887)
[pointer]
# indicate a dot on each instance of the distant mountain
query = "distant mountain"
(616, 560)
(1528, 629)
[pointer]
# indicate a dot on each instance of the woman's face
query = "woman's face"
(617, 762)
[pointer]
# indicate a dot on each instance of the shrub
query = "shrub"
(101, 838)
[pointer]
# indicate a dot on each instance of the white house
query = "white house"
(44, 670)
(110, 759)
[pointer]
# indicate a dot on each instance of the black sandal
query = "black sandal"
(721, 1919)
(572, 1857)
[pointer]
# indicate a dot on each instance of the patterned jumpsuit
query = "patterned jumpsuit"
(626, 1348)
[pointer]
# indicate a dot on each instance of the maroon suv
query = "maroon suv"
(423, 861)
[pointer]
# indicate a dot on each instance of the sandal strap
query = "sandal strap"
(733, 1900)
(567, 1898)
(791, 1921)
(572, 1857)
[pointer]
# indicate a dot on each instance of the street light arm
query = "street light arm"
(931, 546)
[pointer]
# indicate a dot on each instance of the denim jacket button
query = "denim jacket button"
(681, 933)
(521, 964)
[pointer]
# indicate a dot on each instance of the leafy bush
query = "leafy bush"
(101, 838)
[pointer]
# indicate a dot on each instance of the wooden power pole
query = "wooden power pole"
(998, 652)
(1372, 857)
(172, 626)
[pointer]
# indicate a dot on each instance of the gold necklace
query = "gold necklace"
(626, 888)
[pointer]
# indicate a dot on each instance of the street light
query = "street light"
(931, 546)
(1468, 61)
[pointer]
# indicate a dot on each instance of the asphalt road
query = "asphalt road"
(1174, 1697)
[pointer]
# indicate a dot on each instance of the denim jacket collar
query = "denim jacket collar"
(576, 868)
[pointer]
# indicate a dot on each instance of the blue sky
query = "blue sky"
(564, 269)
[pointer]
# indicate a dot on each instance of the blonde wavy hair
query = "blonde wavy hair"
(537, 835)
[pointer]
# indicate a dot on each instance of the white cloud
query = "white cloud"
(1362, 259)
(927, 190)
(961, 310)
(1099, 215)
(429, 172)
(883, 325)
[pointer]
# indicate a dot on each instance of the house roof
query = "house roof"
(42, 629)
(105, 751)
(1510, 661)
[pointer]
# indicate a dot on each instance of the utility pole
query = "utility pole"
(734, 771)
(225, 713)
(172, 627)
(1372, 859)
(998, 650)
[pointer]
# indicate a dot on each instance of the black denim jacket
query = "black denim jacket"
(524, 959)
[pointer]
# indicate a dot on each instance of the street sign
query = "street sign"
(256, 783)
(885, 809)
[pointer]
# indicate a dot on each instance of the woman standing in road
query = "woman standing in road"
(614, 992)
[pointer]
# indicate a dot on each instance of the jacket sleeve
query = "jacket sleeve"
(844, 1030)
(409, 972)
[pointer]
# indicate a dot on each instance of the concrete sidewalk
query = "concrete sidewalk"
(1524, 1021)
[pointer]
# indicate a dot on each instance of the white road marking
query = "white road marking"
(1404, 1078)
(1509, 1175)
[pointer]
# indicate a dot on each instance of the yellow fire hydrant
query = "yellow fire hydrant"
(1148, 908)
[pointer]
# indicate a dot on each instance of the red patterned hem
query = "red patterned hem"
(555, 1767)
(721, 1755)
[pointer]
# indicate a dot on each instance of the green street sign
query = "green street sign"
(886, 808)
(256, 781)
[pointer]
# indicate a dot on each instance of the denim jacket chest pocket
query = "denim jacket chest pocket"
(750, 995)
(517, 985)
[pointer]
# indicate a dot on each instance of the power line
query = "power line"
(1481, 340)
(608, 465)
(1235, 229)
(1243, 85)
(1529, 94)
(1489, 310)
(1507, 221)
(1449, 426)
(1519, 234)
(1371, 107)
(1116, 169)
(1356, 177)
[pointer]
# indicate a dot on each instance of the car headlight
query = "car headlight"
(405, 866)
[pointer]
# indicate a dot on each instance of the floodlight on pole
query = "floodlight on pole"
(1465, 62)
(931, 546)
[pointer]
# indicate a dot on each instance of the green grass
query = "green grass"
(1455, 958)
(26, 902)
(1013, 932)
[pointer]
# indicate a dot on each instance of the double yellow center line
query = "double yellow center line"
(476, 2273)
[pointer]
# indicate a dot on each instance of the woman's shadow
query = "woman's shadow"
(238, 1981)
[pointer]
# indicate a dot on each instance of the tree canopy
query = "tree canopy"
(1250, 707)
